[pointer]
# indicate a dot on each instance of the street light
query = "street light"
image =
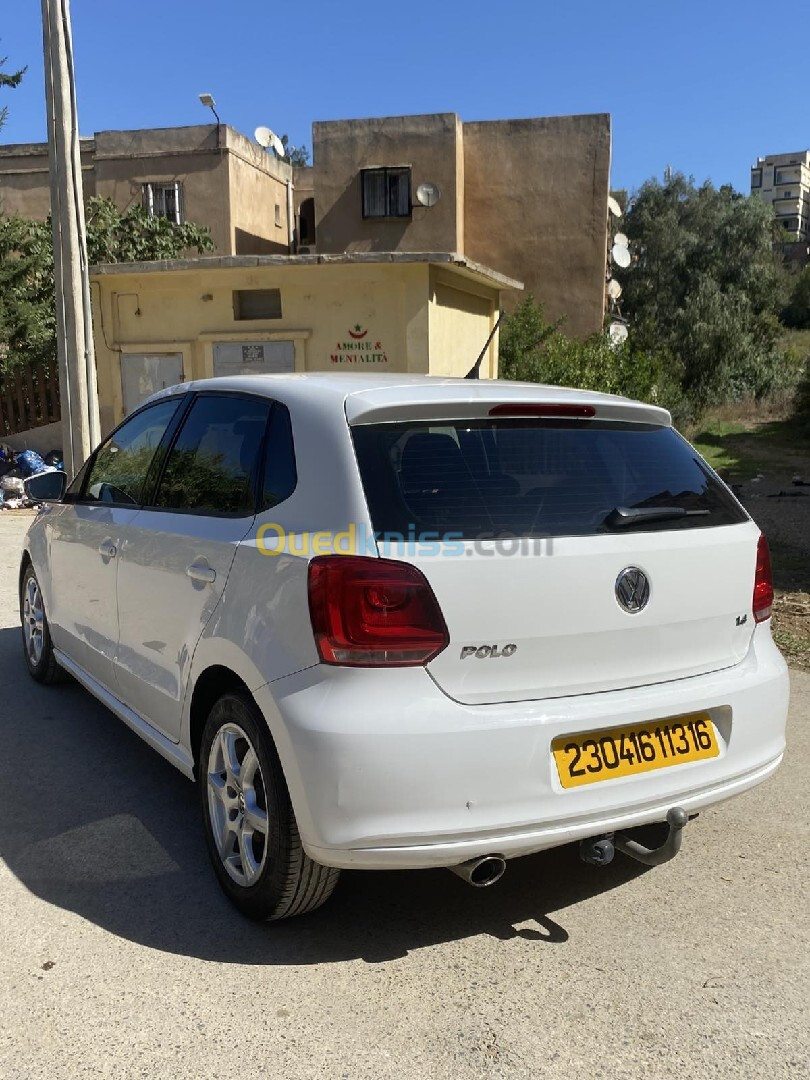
(208, 101)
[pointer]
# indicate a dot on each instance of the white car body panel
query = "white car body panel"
(701, 584)
(390, 772)
(84, 609)
(409, 767)
(163, 611)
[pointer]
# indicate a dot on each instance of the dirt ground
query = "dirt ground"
(767, 464)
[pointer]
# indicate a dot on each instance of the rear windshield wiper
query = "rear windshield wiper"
(624, 516)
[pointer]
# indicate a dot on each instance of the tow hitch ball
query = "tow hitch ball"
(599, 850)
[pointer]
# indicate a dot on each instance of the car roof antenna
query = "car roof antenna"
(474, 372)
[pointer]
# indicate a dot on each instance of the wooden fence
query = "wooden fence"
(28, 398)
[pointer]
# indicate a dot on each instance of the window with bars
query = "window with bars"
(164, 200)
(386, 192)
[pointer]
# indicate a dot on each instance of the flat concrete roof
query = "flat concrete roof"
(467, 267)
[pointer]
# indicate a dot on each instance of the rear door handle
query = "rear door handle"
(107, 550)
(201, 572)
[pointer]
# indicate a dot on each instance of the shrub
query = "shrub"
(534, 350)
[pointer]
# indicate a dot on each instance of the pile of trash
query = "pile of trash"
(17, 466)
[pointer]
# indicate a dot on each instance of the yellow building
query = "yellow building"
(160, 323)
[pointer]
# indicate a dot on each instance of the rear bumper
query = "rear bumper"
(385, 771)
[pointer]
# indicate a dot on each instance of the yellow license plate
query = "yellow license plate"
(603, 755)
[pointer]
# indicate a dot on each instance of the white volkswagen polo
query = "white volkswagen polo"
(394, 622)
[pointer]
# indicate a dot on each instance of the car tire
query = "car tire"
(250, 827)
(36, 635)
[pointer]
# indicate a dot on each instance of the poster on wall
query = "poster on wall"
(358, 347)
(254, 357)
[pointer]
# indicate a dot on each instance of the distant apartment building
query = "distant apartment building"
(526, 197)
(783, 181)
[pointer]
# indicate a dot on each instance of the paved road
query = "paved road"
(120, 958)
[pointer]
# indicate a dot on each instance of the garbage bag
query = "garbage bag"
(30, 462)
(12, 486)
(55, 458)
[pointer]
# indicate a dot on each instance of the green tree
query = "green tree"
(796, 313)
(294, 155)
(706, 286)
(136, 236)
(27, 318)
(9, 80)
(534, 350)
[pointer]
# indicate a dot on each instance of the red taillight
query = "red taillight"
(373, 612)
(517, 408)
(763, 582)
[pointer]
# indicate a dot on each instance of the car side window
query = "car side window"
(119, 471)
(213, 466)
(279, 478)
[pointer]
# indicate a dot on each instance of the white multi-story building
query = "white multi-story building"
(783, 180)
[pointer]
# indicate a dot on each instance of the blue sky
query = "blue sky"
(693, 85)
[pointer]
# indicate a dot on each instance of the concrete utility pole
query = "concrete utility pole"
(81, 430)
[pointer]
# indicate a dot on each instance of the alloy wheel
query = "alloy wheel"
(237, 804)
(33, 621)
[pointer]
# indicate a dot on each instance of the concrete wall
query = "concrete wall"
(42, 439)
(24, 184)
(342, 149)
(461, 320)
(536, 208)
(257, 189)
(125, 160)
(527, 197)
(228, 182)
(398, 317)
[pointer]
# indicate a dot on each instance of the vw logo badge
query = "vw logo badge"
(632, 589)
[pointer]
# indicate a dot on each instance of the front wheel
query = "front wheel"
(36, 635)
(250, 827)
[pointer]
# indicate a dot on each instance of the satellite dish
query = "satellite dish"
(620, 255)
(617, 332)
(614, 289)
(428, 194)
(621, 240)
(269, 140)
(614, 207)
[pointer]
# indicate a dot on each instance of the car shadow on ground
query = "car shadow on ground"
(95, 822)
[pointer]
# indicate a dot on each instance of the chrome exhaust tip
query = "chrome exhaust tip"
(481, 872)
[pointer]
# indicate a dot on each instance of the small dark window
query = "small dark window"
(386, 193)
(121, 465)
(162, 199)
(279, 463)
(756, 178)
(213, 466)
(306, 218)
(256, 304)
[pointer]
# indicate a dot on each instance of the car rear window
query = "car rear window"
(533, 477)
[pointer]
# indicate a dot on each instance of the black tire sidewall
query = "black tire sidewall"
(258, 901)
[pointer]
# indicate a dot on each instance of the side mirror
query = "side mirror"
(48, 487)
